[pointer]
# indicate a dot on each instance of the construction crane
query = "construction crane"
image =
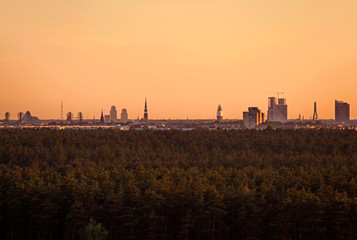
(277, 93)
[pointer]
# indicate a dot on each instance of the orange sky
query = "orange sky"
(185, 56)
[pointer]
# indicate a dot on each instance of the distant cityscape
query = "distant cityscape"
(254, 118)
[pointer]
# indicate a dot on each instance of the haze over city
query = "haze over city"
(186, 57)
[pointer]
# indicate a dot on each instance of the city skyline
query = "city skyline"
(112, 113)
(185, 56)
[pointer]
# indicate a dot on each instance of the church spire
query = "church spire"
(102, 118)
(146, 117)
(146, 107)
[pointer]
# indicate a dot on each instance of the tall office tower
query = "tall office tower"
(315, 117)
(277, 111)
(342, 112)
(219, 113)
(146, 116)
(253, 117)
(7, 117)
(113, 114)
(80, 117)
(271, 108)
(124, 115)
(283, 109)
(20, 115)
(102, 118)
(69, 117)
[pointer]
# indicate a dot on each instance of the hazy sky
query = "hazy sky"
(185, 56)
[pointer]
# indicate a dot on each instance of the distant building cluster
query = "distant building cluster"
(113, 116)
(254, 118)
(278, 112)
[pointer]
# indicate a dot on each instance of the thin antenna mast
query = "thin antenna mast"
(61, 110)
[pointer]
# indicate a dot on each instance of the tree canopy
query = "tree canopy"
(201, 184)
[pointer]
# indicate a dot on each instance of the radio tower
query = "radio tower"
(315, 112)
(61, 110)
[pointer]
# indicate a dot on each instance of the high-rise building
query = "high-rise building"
(69, 117)
(315, 117)
(146, 116)
(7, 117)
(80, 117)
(246, 120)
(277, 111)
(219, 113)
(124, 115)
(113, 114)
(271, 108)
(342, 112)
(253, 117)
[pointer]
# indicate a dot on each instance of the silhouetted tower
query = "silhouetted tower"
(146, 117)
(219, 113)
(124, 115)
(69, 117)
(61, 110)
(20, 115)
(102, 118)
(315, 117)
(80, 117)
(7, 117)
(342, 112)
(113, 114)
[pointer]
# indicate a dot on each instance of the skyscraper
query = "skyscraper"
(124, 115)
(146, 116)
(113, 114)
(253, 117)
(80, 117)
(277, 111)
(219, 113)
(342, 112)
(7, 117)
(69, 117)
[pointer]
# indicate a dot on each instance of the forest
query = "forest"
(201, 184)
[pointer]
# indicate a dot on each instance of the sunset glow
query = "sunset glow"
(185, 56)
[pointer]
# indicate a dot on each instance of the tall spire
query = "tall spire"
(102, 118)
(146, 117)
(146, 107)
